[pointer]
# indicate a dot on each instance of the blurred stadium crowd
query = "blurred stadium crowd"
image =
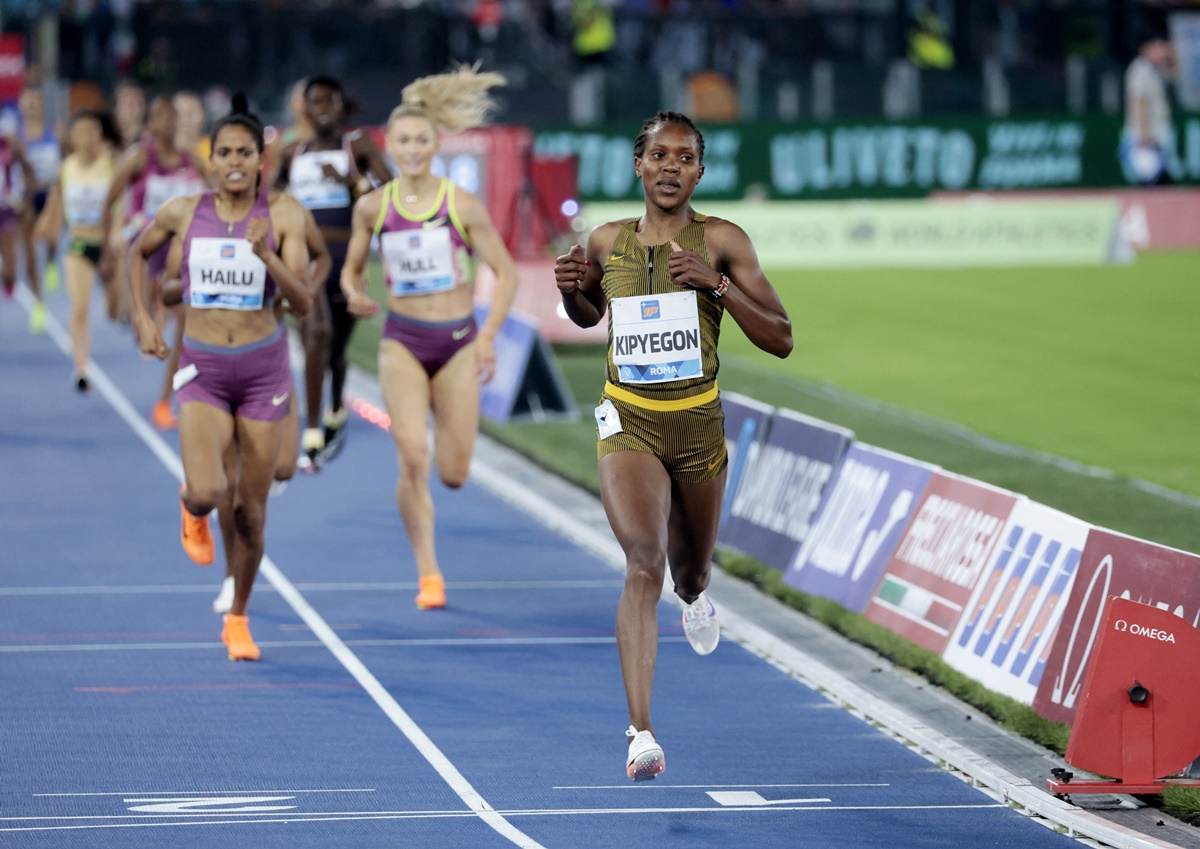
(584, 61)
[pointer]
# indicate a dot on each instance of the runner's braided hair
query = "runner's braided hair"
(652, 124)
(240, 116)
(456, 100)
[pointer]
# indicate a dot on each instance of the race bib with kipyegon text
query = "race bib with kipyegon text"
(656, 338)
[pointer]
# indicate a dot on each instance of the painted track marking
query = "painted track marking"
(267, 569)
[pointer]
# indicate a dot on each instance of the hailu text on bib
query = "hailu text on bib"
(656, 338)
(225, 274)
(418, 262)
(308, 184)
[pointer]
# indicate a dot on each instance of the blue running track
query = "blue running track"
(496, 723)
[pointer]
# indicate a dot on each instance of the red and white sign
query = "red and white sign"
(12, 66)
(939, 559)
(1112, 565)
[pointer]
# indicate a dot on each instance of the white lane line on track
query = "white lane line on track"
(391, 708)
(200, 792)
(364, 816)
(478, 642)
(644, 789)
(398, 586)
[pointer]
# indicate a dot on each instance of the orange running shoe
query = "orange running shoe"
(236, 637)
(433, 593)
(195, 535)
(163, 417)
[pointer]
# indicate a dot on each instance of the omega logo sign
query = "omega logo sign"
(1142, 631)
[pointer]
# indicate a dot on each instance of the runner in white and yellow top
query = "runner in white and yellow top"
(76, 200)
(669, 277)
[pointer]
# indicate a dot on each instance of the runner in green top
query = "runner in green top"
(665, 280)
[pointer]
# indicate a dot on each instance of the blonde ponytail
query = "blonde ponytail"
(453, 101)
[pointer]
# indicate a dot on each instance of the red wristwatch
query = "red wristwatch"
(721, 289)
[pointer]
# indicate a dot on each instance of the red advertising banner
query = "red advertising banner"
(939, 559)
(1112, 565)
(12, 65)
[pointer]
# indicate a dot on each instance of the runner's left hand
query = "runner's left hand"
(485, 358)
(256, 235)
(688, 268)
(331, 173)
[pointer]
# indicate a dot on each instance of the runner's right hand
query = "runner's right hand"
(150, 339)
(107, 264)
(361, 305)
(570, 269)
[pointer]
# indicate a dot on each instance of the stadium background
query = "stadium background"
(1070, 384)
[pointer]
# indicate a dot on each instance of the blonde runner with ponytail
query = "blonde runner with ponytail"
(454, 101)
(433, 354)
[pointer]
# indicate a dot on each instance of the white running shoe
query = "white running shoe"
(701, 626)
(645, 760)
(224, 600)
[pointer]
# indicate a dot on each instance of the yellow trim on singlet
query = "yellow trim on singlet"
(645, 403)
(391, 196)
(454, 219)
(421, 216)
(388, 188)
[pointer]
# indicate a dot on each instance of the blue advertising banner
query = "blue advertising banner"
(514, 343)
(859, 525)
(527, 383)
(776, 498)
(746, 423)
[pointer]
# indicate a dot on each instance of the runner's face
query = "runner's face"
(412, 143)
(669, 168)
(323, 108)
(236, 159)
(131, 106)
(86, 136)
(31, 105)
(189, 116)
(162, 121)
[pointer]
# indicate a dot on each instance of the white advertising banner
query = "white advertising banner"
(1008, 627)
